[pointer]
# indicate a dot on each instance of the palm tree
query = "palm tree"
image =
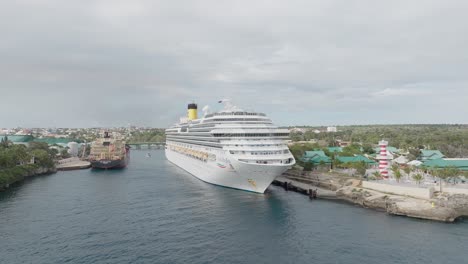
(445, 174)
(395, 168)
(418, 178)
(407, 171)
(451, 172)
(377, 174)
(5, 142)
(397, 175)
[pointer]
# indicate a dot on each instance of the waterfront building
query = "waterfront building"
(415, 163)
(342, 143)
(461, 164)
(318, 158)
(335, 149)
(18, 139)
(358, 158)
(73, 148)
(401, 160)
(430, 155)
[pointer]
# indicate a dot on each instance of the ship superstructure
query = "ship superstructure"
(233, 148)
(109, 152)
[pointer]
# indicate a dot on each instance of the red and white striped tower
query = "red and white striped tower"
(383, 159)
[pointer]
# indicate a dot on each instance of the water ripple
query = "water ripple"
(154, 212)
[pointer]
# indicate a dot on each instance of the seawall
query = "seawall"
(17, 174)
(396, 200)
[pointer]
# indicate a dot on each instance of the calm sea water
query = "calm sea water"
(154, 212)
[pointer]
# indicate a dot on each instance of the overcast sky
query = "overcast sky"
(111, 63)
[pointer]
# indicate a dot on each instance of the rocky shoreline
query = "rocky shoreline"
(442, 207)
(21, 177)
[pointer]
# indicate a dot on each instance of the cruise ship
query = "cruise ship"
(232, 148)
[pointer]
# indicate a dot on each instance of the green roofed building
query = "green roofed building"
(357, 158)
(461, 164)
(335, 149)
(318, 159)
(430, 155)
(18, 139)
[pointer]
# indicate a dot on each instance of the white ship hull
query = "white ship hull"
(229, 172)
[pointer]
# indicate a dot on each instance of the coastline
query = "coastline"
(11, 176)
(442, 207)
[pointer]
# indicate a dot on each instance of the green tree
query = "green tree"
(295, 136)
(6, 159)
(451, 173)
(298, 150)
(42, 158)
(64, 153)
(418, 178)
(407, 170)
(397, 175)
(368, 149)
(337, 163)
(5, 142)
(38, 145)
(308, 166)
(360, 168)
(377, 174)
(20, 154)
(351, 150)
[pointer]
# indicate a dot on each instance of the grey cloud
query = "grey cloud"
(106, 63)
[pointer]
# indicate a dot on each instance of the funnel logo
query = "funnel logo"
(252, 182)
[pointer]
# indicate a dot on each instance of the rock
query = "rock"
(443, 207)
(447, 208)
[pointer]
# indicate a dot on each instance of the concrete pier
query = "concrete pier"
(73, 164)
(444, 207)
(301, 187)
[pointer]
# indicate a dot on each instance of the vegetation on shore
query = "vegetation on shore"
(151, 135)
(452, 140)
(448, 174)
(19, 161)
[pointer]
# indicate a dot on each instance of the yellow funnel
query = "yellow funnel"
(192, 112)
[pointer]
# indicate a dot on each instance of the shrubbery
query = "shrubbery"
(15, 160)
(14, 174)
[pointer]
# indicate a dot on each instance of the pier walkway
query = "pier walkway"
(73, 164)
(321, 192)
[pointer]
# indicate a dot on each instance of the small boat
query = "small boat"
(148, 155)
